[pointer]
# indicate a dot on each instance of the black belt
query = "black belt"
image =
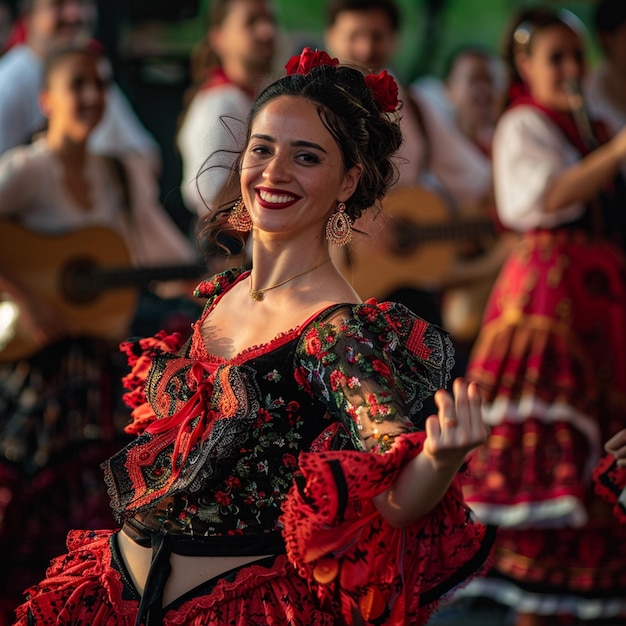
(163, 544)
(200, 545)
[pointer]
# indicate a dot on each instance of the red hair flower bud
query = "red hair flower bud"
(303, 63)
(384, 89)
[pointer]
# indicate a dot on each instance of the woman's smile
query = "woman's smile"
(275, 198)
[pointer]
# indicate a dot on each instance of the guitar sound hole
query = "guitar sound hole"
(404, 241)
(78, 281)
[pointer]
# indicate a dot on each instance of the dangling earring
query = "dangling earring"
(239, 217)
(339, 227)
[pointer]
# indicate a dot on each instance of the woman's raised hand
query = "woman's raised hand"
(457, 428)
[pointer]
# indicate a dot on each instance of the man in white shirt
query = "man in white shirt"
(469, 95)
(50, 24)
(365, 32)
(240, 47)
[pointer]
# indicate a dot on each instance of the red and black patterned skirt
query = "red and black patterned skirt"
(551, 361)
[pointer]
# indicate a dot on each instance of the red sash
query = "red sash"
(218, 78)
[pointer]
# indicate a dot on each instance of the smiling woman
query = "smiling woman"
(293, 162)
(283, 471)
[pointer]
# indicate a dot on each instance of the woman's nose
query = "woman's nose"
(266, 30)
(278, 168)
(572, 68)
(93, 93)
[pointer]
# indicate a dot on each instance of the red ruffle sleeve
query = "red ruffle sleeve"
(610, 484)
(338, 540)
(139, 354)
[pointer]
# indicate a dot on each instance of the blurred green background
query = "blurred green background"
(430, 28)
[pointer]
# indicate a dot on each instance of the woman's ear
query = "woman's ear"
(350, 182)
(215, 39)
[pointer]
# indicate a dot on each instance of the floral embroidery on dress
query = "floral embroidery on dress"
(219, 440)
(370, 367)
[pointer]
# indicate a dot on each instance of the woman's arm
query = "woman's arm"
(584, 180)
(373, 370)
(452, 433)
(540, 179)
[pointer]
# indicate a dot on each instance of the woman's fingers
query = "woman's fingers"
(468, 408)
(616, 443)
(459, 419)
(447, 410)
(475, 406)
(433, 429)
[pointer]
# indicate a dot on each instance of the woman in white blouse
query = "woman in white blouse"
(550, 357)
(57, 386)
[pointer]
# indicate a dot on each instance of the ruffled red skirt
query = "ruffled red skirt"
(551, 361)
(83, 588)
(344, 563)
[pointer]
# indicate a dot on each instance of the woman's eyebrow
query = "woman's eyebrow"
(300, 143)
(308, 144)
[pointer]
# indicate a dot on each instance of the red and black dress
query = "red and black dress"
(264, 454)
(551, 360)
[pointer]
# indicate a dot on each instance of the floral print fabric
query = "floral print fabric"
(220, 439)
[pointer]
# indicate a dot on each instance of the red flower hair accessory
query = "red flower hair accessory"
(384, 90)
(303, 63)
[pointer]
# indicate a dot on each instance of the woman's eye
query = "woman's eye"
(556, 58)
(260, 150)
(308, 158)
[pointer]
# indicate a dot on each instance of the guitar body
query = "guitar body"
(45, 264)
(412, 243)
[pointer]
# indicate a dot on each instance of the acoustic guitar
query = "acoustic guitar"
(86, 276)
(412, 243)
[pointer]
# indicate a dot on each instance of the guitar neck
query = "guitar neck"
(125, 277)
(451, 231)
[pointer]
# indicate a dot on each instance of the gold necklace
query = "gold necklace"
(259, 294)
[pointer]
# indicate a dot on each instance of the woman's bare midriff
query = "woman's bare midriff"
(187, 571)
